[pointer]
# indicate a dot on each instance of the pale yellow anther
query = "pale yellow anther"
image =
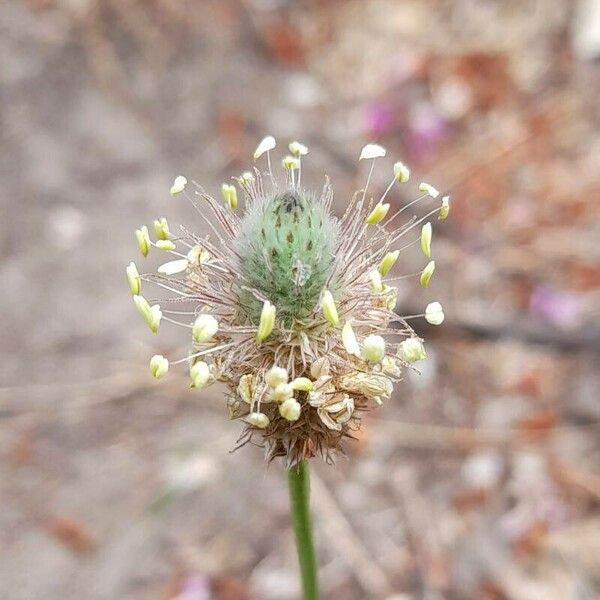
(282, 392)
(166, 245)
(266, 144)
(427, 273)
(247, 178)
(297, 149)
(199, 375)
(320, 368)
(349, 339)
(390, 296)
(247, 388)
(377, 214)
(372, 385)
(290, 410)
(391, 366)
(412, 350)
(159, 366)
(161, 229)
(371, 151)
(258, 420)
(291, 163)
(204, 328)
(373, 348)
(329, 309)
(133, 278)
(173, 267)
(426, 232)
(428, 189)
(151, 314)
(178, 185)
(143, 239)
(445, 208)
(376, 283)
(267, 322)
(198, 255)
(401, 172)
(387, 262)
(276, 376)
(230, 195)
(434, 314)
(303, 384)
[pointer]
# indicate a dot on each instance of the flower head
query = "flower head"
(287, 304)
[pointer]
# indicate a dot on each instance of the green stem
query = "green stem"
(299, 485)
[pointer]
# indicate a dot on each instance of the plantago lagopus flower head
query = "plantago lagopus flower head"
(286, 304)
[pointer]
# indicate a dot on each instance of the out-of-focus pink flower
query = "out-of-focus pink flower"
(559, 308)
(426, 130)
(195, 587)
(379, 119)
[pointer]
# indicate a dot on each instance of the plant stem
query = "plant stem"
(299, 485)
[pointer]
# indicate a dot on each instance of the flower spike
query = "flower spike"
(288, 306)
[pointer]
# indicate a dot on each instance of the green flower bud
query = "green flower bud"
(286, 244)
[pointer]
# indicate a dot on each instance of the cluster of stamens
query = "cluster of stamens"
(288, 306)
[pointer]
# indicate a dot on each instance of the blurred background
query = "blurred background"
(480, 479)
